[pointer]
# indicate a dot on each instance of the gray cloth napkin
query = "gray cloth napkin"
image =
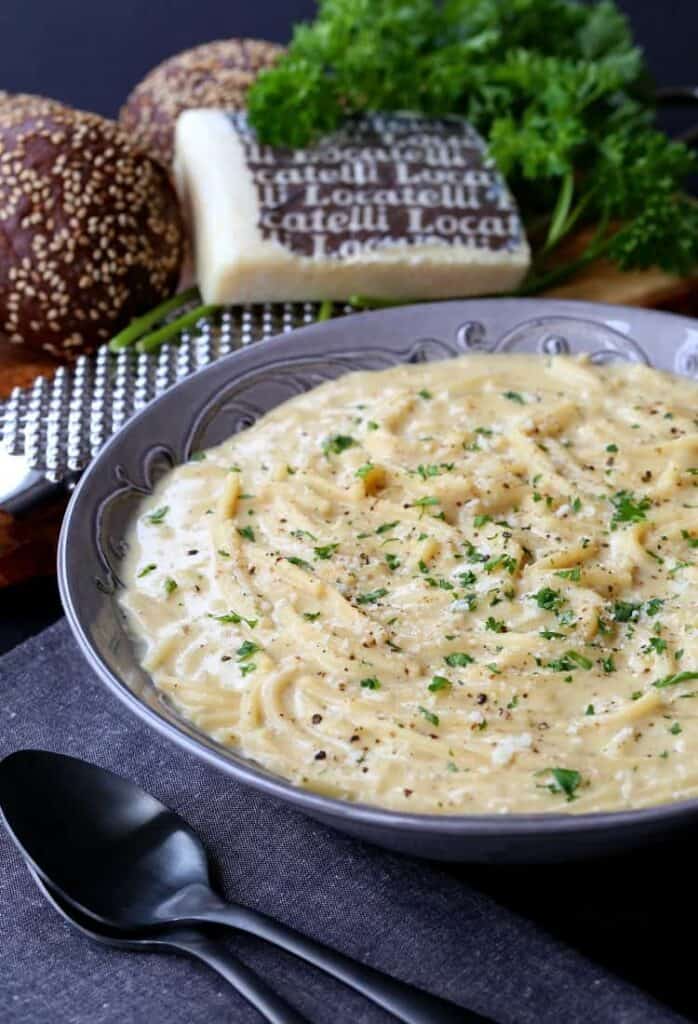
(409, 918)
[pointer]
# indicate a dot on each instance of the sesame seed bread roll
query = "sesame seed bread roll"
(214, 75)
(90, 229)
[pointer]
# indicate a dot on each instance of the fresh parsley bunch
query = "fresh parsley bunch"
(557, 87)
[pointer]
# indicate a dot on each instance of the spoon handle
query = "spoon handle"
(272, 1007)
(408, 1004)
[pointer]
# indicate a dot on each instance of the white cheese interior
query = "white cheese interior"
(235, 263)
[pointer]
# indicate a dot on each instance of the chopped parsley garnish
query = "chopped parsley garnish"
(246, 649)
(472, 552)
(371, 683)
(325, 551)
(626, 611)
(563, 664)
(311, 616)
(300, 562)
(392, 561)
(425, 394)
(458, 659)
(170, 585)
(146, 570)
(337, 444)
(504, 561)
(363, 471)
(158, 515)
(628, 508)
(385, 527)
(590, 710)
(692, 541)
(569, 661)
(233, 617)
(656, 644)
(613, 448)
(371, 596)
(197, 456)
(426, 502)
(654, 605)
(429, 715)
(439, 683)
(223, 553)
(467, 578)
(481, 521)
(372, 425)
(439, 582)
(548, 599)
(679, 677)
(431, 469)
(550, 634)
(579, 659)
(514, 396)
(495, 625)
(675, 729)
(303, 534)
(247, 668)
(246, 531)
(570, 574)
(608, 664)
(565, 780)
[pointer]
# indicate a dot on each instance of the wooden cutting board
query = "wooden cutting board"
(28, 545)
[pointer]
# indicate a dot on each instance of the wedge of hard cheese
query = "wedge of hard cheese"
(392, 206)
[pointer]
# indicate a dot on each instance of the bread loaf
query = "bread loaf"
(215, 75)
(90, 229)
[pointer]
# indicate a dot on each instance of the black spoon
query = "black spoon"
(124, 859)
(192, 941)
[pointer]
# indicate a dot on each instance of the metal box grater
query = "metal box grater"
(57, 425)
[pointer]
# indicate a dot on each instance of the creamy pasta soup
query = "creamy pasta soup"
(459, 587)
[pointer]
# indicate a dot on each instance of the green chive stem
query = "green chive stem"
(142, 324)
(153, 341)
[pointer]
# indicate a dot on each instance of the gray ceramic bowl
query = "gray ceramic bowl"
(229, 395)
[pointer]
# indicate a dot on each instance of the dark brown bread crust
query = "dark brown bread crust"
(216, 74)
(90, 229)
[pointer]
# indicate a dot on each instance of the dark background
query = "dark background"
(636, 914)
(92, 52)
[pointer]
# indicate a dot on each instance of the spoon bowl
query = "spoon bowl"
(118, 852)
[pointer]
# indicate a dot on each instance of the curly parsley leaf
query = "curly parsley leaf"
(628, 508)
